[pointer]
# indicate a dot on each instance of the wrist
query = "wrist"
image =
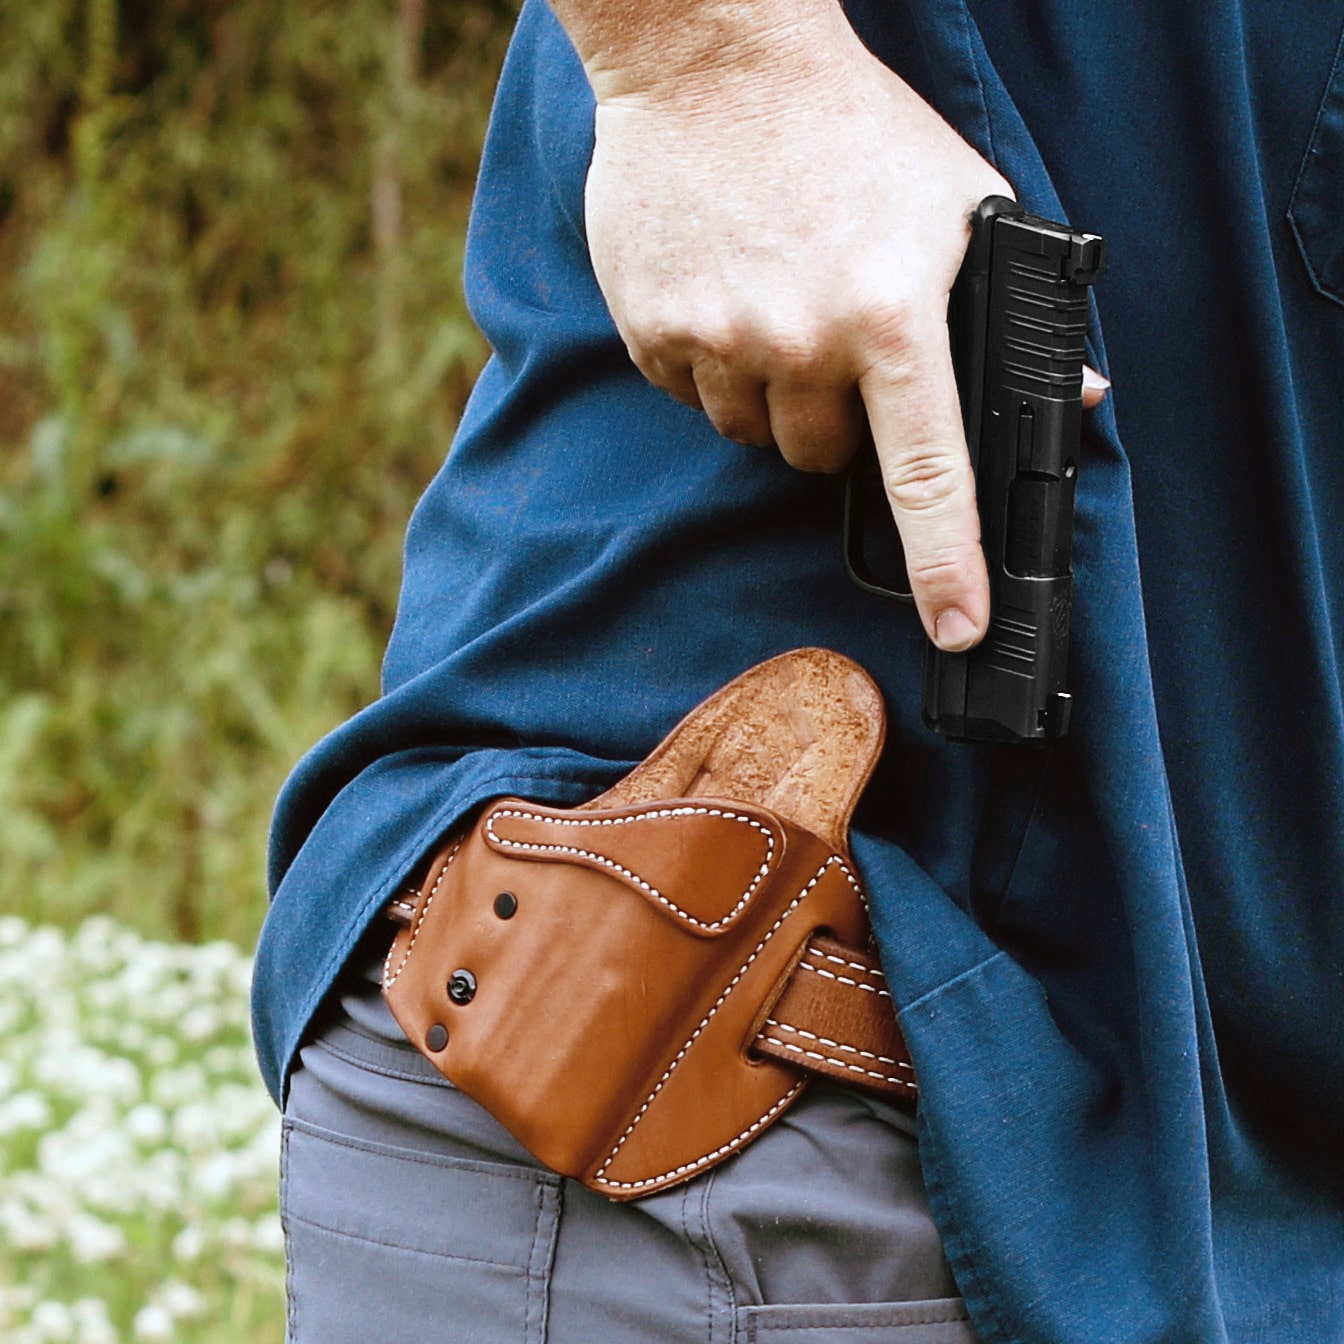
(704, 52)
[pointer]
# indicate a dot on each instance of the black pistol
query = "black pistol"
(1018, 323)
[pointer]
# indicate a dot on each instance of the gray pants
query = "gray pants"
(410, 1215)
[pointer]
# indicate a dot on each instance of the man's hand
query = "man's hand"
(775, 220)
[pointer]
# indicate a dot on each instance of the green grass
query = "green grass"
(233, 349)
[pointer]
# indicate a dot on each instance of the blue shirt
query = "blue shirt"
(1119, 961)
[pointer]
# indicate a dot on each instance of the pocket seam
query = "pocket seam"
(291, 1327)
(540, 1263)
(794, 1317)
(522, 1270)
(430, 1076)
(1303, 235)
(500, 1170)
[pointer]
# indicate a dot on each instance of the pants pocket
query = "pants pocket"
(941, 1320)
(383, 1242)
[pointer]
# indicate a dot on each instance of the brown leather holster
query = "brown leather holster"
(638, 987)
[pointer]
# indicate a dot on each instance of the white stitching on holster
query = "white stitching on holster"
(389, 981)
(833, 1045)
(841, 961)
(843, 1064)
(844, 980)
(708, 1157)
(662, 814)
(835, 860)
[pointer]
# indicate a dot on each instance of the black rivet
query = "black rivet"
(506, 905)
(436, 1037)
(462, 987)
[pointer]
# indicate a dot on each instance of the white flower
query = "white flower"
(147, 1124)
(130, 1111)
(132, 1036)
(167, 1003)
(58, 1040)
(240, 1110)
(100, 944)
(161, 1179)
(268, 1235)
(146, 973)
(52, 1321)
(81, 1153)
(13, 930)
(240, 979)
(103, 996)
(174, 1087)
(229, 1061)
(215, 1176)
(93, 1241)
(85, 1072)
(115, 1078)
(153, 1324)
(92, 1325)
(200, 1023)
(189, 1244)
(160, 1050)
(180, 1300)
(43, 952)
(24, 1110)
(16, 1297)
(195, 1127)
(25, 1229)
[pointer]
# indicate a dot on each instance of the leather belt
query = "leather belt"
(835, 1018)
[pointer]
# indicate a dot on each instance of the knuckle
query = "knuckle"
(656, 369)
(653, 334)
(822, 458)
(683, 331)
(741, 427)
(671, 378)
(945, 568)
(890, 328)
(925, 478)
(716, 334)
(680, 392)
(801, 356)
(823, 443)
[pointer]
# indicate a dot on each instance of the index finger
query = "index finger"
(915, 418)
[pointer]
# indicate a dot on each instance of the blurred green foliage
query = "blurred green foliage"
(233, 348)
